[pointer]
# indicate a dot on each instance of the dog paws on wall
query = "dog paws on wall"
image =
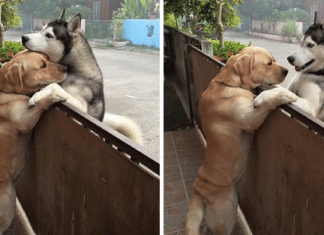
(275, 97)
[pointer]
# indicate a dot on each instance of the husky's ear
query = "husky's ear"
(74, 26)
(315, 18)
(14, 78)
(63, 15)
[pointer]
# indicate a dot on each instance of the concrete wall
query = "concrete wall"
(143, 32)
(273, 27)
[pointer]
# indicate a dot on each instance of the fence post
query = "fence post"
(188, 77)
(207, 48)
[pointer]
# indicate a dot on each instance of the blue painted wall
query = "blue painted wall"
(143, 32)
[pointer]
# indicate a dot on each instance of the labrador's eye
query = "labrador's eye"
(310, 45)
(43, 65)
(270, 63)
(49, 35)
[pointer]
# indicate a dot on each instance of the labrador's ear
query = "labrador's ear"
(243, 66)
(14, 77)
(74, 26)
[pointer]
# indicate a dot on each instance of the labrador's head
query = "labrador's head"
(29, 71)
(255, 66)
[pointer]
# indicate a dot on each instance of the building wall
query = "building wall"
(106, 7)
(143, 32)
(320, 9)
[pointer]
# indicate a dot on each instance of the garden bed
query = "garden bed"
(224, 53)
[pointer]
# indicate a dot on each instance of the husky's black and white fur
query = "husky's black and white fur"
(63, 43)
(309, 61)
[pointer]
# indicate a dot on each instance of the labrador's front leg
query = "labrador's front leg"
(251, 114)
(274, 97)
(25, 117)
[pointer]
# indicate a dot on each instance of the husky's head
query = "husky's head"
(310, 57)
(56, 39)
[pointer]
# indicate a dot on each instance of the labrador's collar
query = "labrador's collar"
(225, 84)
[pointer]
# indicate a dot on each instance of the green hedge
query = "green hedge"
(99, 29)
(10, 46)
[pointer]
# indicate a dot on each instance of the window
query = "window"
(96, 11)
(312, 14)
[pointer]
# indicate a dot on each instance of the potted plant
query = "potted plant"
(118, 29)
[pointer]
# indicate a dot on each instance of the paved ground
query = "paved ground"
(279, 50)
(131, 86)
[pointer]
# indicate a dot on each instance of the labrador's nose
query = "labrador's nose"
(291, 59)
(64, 68)
(24, 39)
(285, 72)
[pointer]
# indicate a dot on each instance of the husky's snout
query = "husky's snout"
(291, 59)
(24, 39)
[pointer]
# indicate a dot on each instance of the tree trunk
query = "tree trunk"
(220, 24)
(2, 29)
(176, 21)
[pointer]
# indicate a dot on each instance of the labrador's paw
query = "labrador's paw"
(275, 97)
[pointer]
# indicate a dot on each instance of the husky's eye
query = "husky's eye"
(310, 45)
(49, 35)
(43, 65)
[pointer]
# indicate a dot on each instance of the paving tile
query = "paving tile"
(172, 174)
(190, 170)
(168, 145)
(181, 145)
(170, 158)
(179, 232)
(175, 217)
(189, 186)
(174, 193)
(167, 135)
(186, 134)
(187, 156)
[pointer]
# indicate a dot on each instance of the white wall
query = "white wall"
(274, 27)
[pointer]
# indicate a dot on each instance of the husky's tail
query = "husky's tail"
(124, 126)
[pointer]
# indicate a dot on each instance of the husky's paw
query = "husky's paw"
(275, 97)
(45, 92)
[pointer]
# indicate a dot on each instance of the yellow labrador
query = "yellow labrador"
(26, 73)
(229, 117)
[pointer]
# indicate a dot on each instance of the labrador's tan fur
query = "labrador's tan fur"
(26, 73)
(229, 118)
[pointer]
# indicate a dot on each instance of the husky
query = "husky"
(63, 43)
(309, 61)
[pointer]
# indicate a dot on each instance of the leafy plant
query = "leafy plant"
(134, 9)
(10, 46)
(229, 46)
(99, 29)
(118, 30)
(289, 30)
(170, 20)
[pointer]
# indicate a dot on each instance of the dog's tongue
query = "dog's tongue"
(297, 68)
